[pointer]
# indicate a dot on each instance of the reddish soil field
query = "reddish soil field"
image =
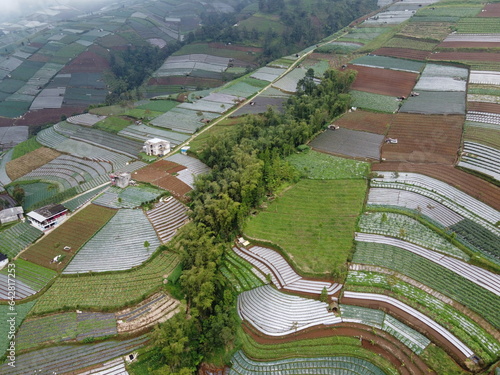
(87, 62)
(185, 81)
(74, 232)
(484, 45)
(373, 339)
(472, 185)
(404, 53)
(160, 174)
(383, 81)
(39, 57)
(47, 115)
(490, 10)
(465, 56)
(483, 107)
(366, 121)
(424, 138)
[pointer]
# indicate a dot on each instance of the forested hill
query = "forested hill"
(282, 26)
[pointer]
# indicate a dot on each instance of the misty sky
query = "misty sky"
(16, 8)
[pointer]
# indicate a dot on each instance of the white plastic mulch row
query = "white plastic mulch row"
(276, 314)
(484, 77)
(119, 245)
(477, 275)
(481, 158)
(444, 193)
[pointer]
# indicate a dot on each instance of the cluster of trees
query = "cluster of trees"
(246, 168)
(131, 67)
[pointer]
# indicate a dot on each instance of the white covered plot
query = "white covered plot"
(426, 83)
(437, 70)
(483, 117)
(276, 314)
(442, 192)
(118, 246)
(482, 159)
(477, 275)
(193, 166)
(414, 201)
(484, 77)
(288, 83)
(267, 73)
(271, 262)
(167, 216)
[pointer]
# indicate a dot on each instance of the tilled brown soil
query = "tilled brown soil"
(366, 121)
(403, 53)
(472, 185)
(483, 107)
(490, 10)
(372, 339)
(383, 81)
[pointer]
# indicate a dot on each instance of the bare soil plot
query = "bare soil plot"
(383, 81)
(348, 142)
(74, 232)
(403, 53)
(427, 30)
(19, 167)
(371, 122)
(483, 107)
(490, 10)
(88, 62)
(48, 115)
(424, 138)
(185, 81)
(162, 174)
(472, 185)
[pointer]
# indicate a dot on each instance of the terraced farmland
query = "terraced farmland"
(329, 210)
(74, 232)
(107, 291)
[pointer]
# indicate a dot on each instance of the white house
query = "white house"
(156, 146)
(47, 217)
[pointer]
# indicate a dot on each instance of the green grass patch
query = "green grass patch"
(412, 43)
(159, 105)
(25, 147)
(113, 124)
(482, 133)
(227, 127)
(262, 23)
(313, 222)
(437, 359)
(318, 166)
(142, 114)
(451, 10)
(374, 102)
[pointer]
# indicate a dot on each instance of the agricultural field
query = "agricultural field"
(424, 138)
(435, 103)
(370, 122)
(329, 210)
(226, 126)
(262, 23)
(318, 166)
(351, 143)
(413, 43)
(441, 312)
(403, 53)
(490, 10)
(485, 134)
(22, 310)
(32, 160)
(36, 192)
(64, 327)
(389, 63)
(435, 31)
(106, 292)
(17, 237)
(374, 102)
(74, 232)
(469, 184)
(162, 174)
(383, 81)
(478, 25)
(451, 10)
(241, 274)
(407, 229)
